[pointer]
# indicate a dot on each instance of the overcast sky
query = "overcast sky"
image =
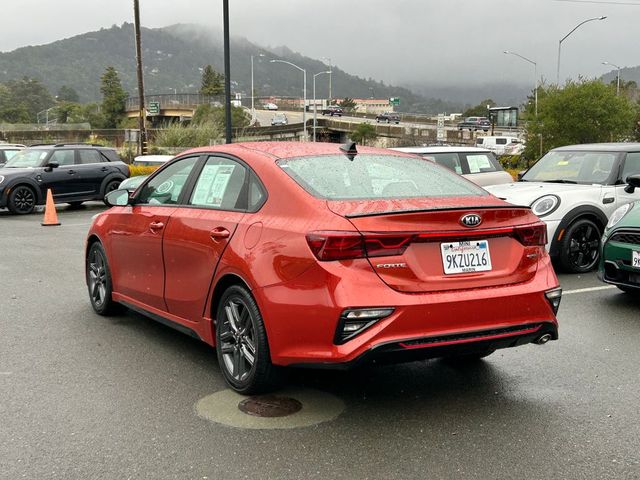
(398, 41)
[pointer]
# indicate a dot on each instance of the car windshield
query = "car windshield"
(27, 158)
(573, 167)
(375, 177)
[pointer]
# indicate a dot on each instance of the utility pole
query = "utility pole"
(141, 112)
(227, 73)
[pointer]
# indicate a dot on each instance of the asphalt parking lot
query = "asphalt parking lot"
(83, 396)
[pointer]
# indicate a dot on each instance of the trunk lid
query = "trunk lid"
(432, 250)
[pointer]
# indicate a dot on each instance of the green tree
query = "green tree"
(67, 94)
(213, 114)
(348, 104)
(584, 111)
(10, 111)
(113, 98)
(363, 132)
(212, 82)
(28, 94)
(479, 110)
(68, 112)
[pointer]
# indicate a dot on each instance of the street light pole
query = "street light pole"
(304, 91)
(253, 109)
(567, 36)
(618, 83)
(141, 107)
(535, 70)
(227, 73)
(330, 76)
(315, 106)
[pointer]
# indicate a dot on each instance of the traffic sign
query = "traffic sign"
(154, 108)
(394, 101)
(442, 134)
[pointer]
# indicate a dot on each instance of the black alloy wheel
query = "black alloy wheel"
(22, 200)
(580, 247)
(98, 278)
(241, 343)
(111, 186)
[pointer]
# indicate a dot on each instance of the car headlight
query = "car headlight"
(619, 214)
(545, 205)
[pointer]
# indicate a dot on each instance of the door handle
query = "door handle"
(219, 232)
(156, 226)
(104, 169)
(71, 172)
(607, 200)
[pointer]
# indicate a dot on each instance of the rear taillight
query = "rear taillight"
(531, 235)
(328, 246)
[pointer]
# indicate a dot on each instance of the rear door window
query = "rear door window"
(221, 185)
(480, 163)
(63, 157)
(447, 160)
(90, 156)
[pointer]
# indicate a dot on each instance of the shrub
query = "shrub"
(177, 135)
(136, 170)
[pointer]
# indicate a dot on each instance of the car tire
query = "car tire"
(468, 357)
(580, 247)
(110, 187)
(22, 200)
(99, 286)
(242, 347)
(626, 289)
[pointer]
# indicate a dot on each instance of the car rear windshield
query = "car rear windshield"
(373, 177)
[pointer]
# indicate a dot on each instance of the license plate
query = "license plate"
(466, 257)
(635, 259)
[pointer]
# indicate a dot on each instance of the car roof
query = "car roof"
(442, 149)
(11, 145)
(68, 145)
(278, 150)
(601, 147)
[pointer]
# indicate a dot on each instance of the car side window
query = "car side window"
(221, 185)
(90, 156)
(63, 157)
(165, 188)
(631, 165)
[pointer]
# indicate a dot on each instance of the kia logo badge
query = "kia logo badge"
(471, 220)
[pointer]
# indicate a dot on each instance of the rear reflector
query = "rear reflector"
(327, 246)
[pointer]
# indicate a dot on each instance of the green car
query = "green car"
(620, 258)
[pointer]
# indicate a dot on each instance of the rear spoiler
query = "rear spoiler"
(443, 209)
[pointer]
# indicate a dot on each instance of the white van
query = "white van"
(501, 145)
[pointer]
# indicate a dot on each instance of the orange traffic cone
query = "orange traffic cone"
(50, 215)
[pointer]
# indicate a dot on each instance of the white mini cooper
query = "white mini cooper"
(575, 189)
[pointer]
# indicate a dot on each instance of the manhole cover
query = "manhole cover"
(269, 406)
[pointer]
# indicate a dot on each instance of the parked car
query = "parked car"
(75, 173)
(285, 254)
(388, 117)
(501, 145)
(476, 164)
(279, 119)
(151, 160)
(575, 189)
(475, 123)
(8, 150)
(620, 262)
(270, 106)
(333, 110)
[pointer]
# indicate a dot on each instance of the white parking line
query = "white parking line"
(587, 290)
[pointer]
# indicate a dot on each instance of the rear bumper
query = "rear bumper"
(302, 317)
(446, 346)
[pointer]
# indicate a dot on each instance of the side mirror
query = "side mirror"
(633, 182)
(50, 166)
(521, 174)
(117, 198)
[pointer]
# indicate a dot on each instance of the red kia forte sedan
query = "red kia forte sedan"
(311, 254)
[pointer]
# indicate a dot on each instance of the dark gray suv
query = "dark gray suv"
(75, 173)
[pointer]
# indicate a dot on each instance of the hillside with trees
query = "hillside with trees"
(174, 58)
